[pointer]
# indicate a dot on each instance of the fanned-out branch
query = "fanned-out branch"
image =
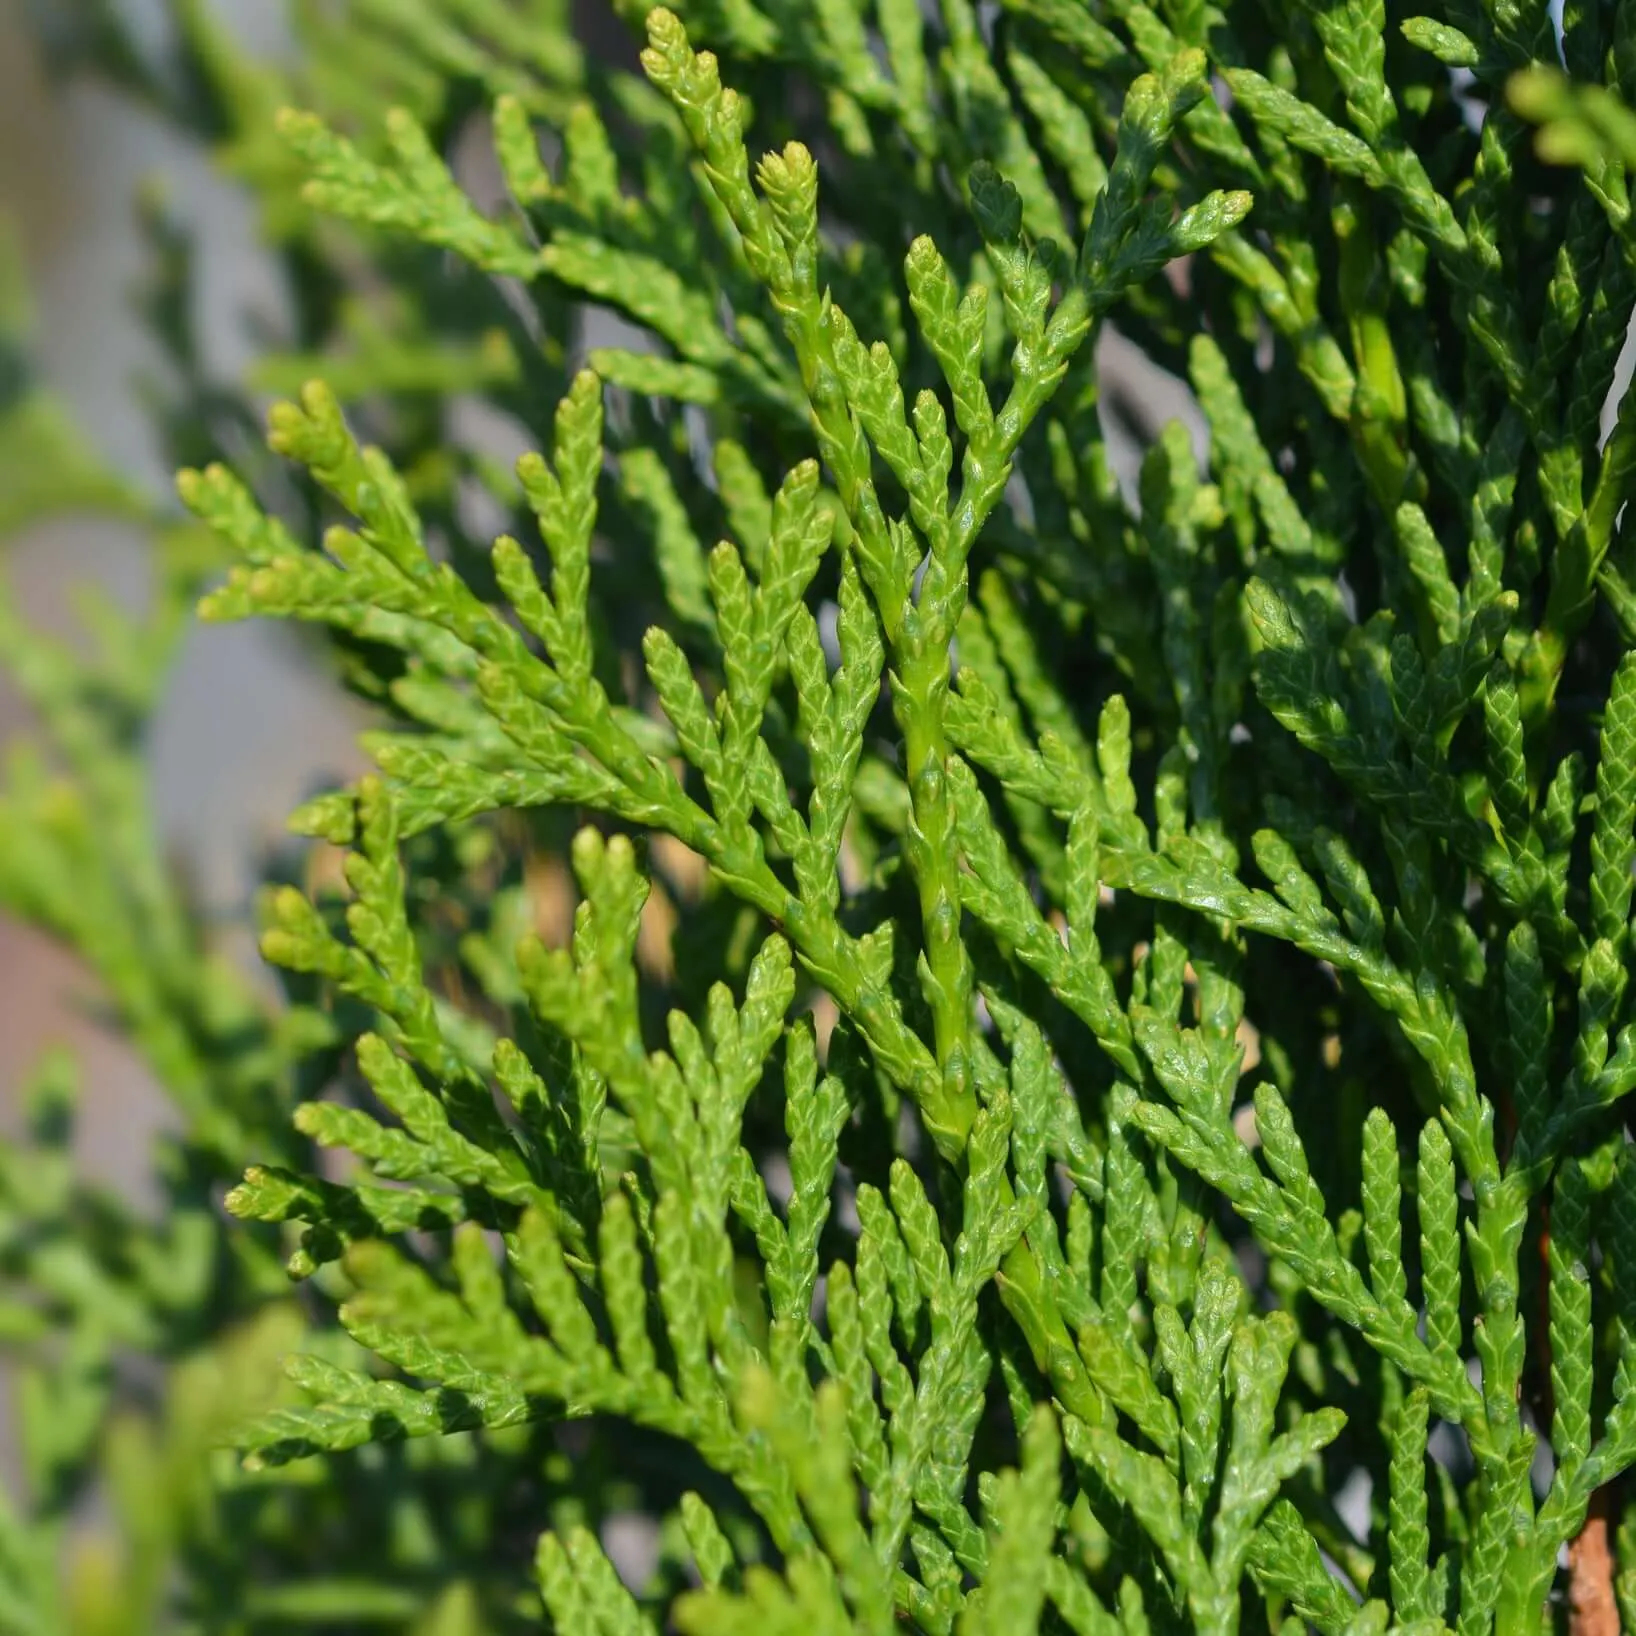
(994, 1025)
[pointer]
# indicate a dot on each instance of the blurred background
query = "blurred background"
(245, 732)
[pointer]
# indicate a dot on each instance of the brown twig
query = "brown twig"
(1592, 1610)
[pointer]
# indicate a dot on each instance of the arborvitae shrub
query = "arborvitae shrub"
(1084, 1084)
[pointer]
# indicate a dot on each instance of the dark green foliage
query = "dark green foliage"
(1093, 1019)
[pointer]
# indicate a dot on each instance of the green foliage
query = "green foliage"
(1035, 940)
